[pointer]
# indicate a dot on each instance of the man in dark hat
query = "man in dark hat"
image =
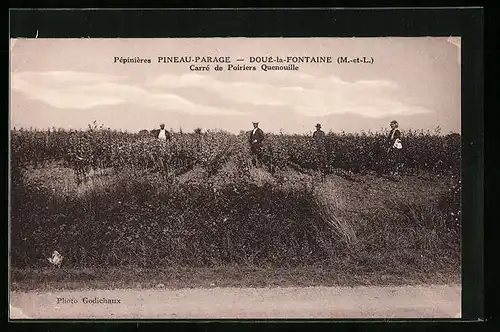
(319, 134)
(319, 138)
(255, 140)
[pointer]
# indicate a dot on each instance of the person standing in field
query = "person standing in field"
(198, 137)
(320, 149)
(319, 135)
(162, 133)
(394, 147)
(255, 140)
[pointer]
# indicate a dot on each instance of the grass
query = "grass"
(48, 279)
(130, 230)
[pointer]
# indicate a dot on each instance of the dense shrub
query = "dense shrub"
(197, 200)
(101, 148)
(204, 221)
(367, 152)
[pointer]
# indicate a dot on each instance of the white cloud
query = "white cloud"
(305, 94)
(173, 102)
(76, 90)
(59, 95)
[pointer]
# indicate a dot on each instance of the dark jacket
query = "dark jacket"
(393, 135)
(156, 132)
(319, 135)
(258, 136)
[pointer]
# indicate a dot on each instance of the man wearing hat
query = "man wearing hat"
(319, 134)
(319, 138)
(256, 138)
(394, 147)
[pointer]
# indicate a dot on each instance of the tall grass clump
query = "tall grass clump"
(208, 220)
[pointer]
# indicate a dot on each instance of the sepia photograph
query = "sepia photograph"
(235, 178)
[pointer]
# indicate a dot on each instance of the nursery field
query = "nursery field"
(109, 201)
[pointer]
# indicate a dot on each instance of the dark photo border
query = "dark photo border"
(377, 22)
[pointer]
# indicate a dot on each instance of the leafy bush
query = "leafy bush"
(102, 148)
(196, 200)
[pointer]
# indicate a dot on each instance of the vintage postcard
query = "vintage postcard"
(215, 178)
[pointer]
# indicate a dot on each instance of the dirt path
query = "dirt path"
(434, 301)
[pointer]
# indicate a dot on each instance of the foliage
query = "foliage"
(197, 201)
(98, 148)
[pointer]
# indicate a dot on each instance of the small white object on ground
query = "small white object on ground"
(56, 259)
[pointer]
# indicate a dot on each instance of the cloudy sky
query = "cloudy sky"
(69, 83)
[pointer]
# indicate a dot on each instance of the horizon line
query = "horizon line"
(436, 130)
